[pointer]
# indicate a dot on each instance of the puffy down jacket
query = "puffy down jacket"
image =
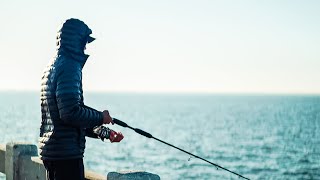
(65, 119)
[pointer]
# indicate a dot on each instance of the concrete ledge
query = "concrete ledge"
(32, 168)
(90, 175)
(12, 158)
(132, 175)
(20, 160)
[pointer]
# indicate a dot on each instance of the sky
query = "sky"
(202, 46)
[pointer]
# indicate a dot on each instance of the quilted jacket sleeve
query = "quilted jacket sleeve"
(70, 105)
(89, 133)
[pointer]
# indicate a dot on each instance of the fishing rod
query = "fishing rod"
(148, 135)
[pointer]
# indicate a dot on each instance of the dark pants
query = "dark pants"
(64, 169)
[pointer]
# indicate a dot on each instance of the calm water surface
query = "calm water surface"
(258, 136)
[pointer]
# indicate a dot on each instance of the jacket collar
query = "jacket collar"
(81, 58)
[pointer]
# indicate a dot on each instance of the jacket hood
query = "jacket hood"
(72, 37)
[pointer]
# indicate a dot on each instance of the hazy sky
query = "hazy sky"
(170, 45)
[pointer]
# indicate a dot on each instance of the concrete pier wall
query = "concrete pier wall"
(19, 160)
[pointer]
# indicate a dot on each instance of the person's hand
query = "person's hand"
(115, 136)
(107, 119)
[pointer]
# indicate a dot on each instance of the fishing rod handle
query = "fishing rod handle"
(143, 133)
(120, 123)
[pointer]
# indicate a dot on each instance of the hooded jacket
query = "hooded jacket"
(65, 118)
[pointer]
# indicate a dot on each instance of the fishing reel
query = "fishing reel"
(102, 132)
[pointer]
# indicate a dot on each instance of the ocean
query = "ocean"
(258, 136)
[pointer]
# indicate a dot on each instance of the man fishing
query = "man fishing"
(66, 120)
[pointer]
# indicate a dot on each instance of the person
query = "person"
(66, 120)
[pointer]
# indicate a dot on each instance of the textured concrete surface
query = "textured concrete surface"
(13, 152)
(132, 175)
(90, 175)
(31, 168)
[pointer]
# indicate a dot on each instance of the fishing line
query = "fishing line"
(148, 135)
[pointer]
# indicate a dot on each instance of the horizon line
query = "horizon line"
(178, 92)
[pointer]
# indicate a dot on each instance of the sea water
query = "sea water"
(258, 136)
